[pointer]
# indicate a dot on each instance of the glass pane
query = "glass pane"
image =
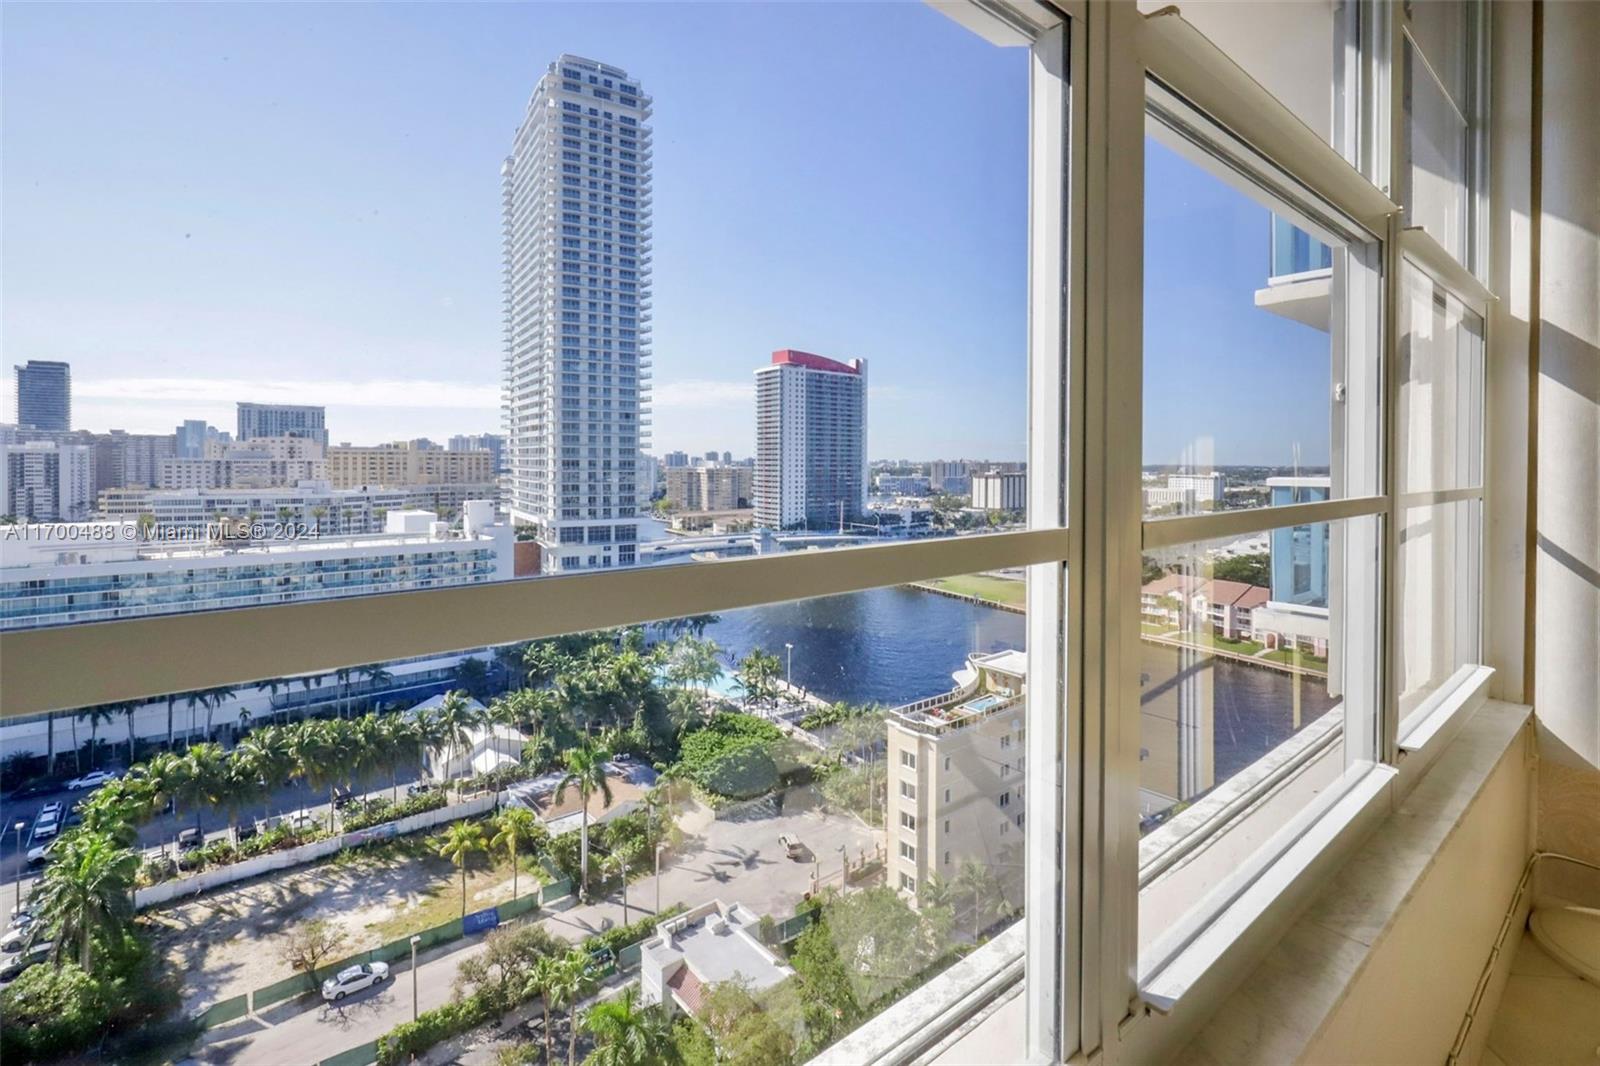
(1257, 687)
(1248, 400)
(591, 348)
(1439, 570)
(837, 787)
(1438, 189)
(1441, 389)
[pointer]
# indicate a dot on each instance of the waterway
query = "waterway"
(896, 645)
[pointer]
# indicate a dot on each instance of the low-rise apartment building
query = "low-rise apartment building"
(956, 768)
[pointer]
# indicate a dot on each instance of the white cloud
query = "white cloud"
(180, 392)
(703, 395)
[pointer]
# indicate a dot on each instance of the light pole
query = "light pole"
(788, 670)
(414, 942)
(658, 877)
(844, 869)
(623, 862)
(23, 859)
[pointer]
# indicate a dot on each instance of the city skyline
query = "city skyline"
(340, 248)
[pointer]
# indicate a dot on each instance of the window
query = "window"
(908, 820)
(908, 759)
(1259, 650)
(1443, 105)
(908, 790)
(908, 851)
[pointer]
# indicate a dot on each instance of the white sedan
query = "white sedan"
(93, 779)
(354, 979)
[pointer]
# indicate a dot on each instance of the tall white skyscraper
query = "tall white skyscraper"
(576, 195)
(811, 440)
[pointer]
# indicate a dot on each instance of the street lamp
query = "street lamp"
(659, 847)
(24, 859)
(788, 670)
(844, 870)
(414, 942)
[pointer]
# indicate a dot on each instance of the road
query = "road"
(735, 861)
(160, 832)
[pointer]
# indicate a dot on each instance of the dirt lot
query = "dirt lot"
(231, 941)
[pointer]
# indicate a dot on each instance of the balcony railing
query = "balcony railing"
(1294, 251)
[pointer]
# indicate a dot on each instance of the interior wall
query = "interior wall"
(1566, 546)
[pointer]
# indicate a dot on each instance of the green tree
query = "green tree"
(503, 970)
(456, 718)
(571, 980)
(585, 771)
(627, 1034)
(461, 840)
(204, 779)
(320, 757)
(310, 944)
(515, 827)
(100, 712)
(544, 981)
(1250, 569)
(86, 893)
(757, 677)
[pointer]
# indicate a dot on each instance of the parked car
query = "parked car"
(343, 797)
(14, 940)
(93, 779)
(419, 787)
(17, 963)
(21, 918)
(244, 831)
(791, 845)
(43, 830)
(190, 839)
(354, 979)
(38, 856)
(52, 809)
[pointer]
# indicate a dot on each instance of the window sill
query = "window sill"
(1314, 843)
(1450, 704)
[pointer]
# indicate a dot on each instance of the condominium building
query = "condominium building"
(576, 199)
(672, 459)
(1000, 490)
(710, 488)
(100, 571)
(314, 505)
(283, 419)
(351, 466)
(942, 472)
(1208, 488)
(493, 443)
(811, 440)
(44, 395)
(1300, 553)
(955, 778)
(42, 481)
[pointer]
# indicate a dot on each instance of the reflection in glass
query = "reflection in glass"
(1439, 568)
(1441, 389)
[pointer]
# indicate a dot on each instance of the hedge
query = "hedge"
(441, 1023)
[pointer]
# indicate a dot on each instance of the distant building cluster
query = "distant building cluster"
(711, 487)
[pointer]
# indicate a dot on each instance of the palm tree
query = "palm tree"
(100, 712)
(376, 677)
(128, 707)
(192, 700)
(585, 770)
(460, 841)
(86, 890)
(509, 659)
(514, 827)
(205, 780)
(319, 755)
(472, 674)
(160, 780)
(171, 699)
(618, 861)
(456, 718)
(212, 698)
(402, 747)
(756, 677)
(627, 1034)
(368, 740)
(264, 756)
(975, 879)
(543, 982)
(570, 982)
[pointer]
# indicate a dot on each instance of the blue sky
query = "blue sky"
(300, 202)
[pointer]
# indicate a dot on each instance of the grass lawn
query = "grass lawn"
(1004, 590)
(1310, 662)
(1208, 639)
(440, 900)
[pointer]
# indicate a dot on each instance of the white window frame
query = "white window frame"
(1086, 195)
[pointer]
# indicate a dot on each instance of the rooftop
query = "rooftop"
(712, 943)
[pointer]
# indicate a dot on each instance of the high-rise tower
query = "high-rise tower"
(576, 196)
(811, 441)
(44, 395)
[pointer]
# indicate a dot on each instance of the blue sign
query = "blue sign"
(478, 921)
